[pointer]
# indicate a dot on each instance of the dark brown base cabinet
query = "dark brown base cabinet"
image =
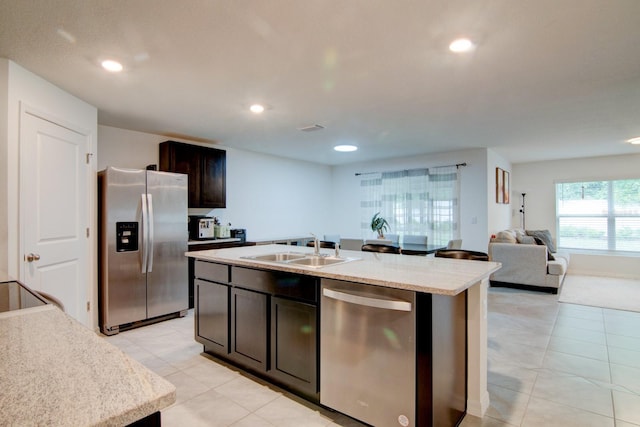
(263, 321)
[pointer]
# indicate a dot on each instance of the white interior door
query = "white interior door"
(53, 212)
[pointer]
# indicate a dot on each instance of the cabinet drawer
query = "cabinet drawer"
(211, 271)
(276, 283)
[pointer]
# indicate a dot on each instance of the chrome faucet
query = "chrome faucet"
(316, 245)
(337, 250)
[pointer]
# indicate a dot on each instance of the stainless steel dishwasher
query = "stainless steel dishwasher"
(367, 352)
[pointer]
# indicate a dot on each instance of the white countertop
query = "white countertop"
(417, 273)
(56, 372)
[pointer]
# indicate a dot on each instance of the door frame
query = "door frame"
(91, 290)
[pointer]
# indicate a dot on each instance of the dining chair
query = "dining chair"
(454, 244)
(373, 247)
(323, 244)
(462, 254)
(378, 242)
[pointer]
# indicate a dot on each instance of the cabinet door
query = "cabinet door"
(183, 158)
(212, 315)
(249, 328)
(213, 186)
(294, 338)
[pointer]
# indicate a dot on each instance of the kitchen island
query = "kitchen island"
(56, 372)
(265, 309)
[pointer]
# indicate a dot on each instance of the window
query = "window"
(418, 202)
(599, 215)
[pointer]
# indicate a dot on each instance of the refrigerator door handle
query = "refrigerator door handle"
(150, 235)
(145, 222)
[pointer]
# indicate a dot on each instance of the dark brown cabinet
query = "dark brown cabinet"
(212, 320)
(271, 322)
(294, 344)
(249, 333)
(206, 168)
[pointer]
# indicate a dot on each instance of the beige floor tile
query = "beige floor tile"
(626, 377)
(627, 407)
(284, 411)
(471, 421)
(574, 322)
(247, 393)
(620, 341)
(252, 420)
(507, 405)
(620, 423)
(511, 376)
(623, 326)
(579, 348)
(580, 334)
(543, 413)
(210, 373)
(577, 365)
(580, 312)
(186, 386)
(574, 391)
(504, 351)
(621, 356)
(215, 409)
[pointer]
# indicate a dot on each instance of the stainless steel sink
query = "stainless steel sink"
(320, 261)
(296, 258)
(279, 257)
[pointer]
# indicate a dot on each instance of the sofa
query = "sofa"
(529, 260)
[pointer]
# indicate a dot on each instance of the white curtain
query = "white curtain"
(420, 202)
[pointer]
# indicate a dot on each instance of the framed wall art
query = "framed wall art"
(499, 185)
(505, 187)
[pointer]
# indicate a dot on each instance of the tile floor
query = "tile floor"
(550, 364)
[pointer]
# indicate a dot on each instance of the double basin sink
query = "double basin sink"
(296, 258)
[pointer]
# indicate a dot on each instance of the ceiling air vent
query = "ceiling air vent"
(311, 128)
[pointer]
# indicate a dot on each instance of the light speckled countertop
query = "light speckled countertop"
(56, 372)
(443, 276)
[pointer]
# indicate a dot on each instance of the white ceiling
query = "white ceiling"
(549, 78)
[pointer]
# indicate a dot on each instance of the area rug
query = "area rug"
(605, 292)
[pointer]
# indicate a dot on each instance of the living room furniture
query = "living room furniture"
(527, 265)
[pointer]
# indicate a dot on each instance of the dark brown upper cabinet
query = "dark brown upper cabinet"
(206, 168)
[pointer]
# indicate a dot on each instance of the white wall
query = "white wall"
(474, 221)
(4, 177)
(537, 180)
(24, 88)
(271, 197)
(500, 214)
(29, 89)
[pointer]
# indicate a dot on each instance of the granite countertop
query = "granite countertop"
(56, 372)
(443, 276)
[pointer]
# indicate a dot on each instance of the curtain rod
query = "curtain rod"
(457, 165)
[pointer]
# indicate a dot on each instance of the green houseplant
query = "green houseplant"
(379, 225)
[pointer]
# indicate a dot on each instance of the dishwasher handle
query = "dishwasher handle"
(387, 304)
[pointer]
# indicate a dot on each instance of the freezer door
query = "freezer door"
(122, 281)
(167, 267)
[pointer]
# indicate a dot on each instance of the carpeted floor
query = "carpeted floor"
(605, 292)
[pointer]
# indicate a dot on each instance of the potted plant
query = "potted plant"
(379, 225)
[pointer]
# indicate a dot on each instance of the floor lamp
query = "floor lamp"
(522, 210)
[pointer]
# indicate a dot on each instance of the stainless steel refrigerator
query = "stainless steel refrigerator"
(143, 237)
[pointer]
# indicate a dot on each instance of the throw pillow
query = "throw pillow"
(526, 240)
(550, 256)
(545, 236)
(505, 237)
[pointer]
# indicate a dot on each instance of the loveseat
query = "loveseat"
(529, 260)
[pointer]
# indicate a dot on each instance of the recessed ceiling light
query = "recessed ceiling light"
(256, 108)
(634, 141)
(345, 148)
(112, 66)
(461, 45)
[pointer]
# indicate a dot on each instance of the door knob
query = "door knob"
(32, 257)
